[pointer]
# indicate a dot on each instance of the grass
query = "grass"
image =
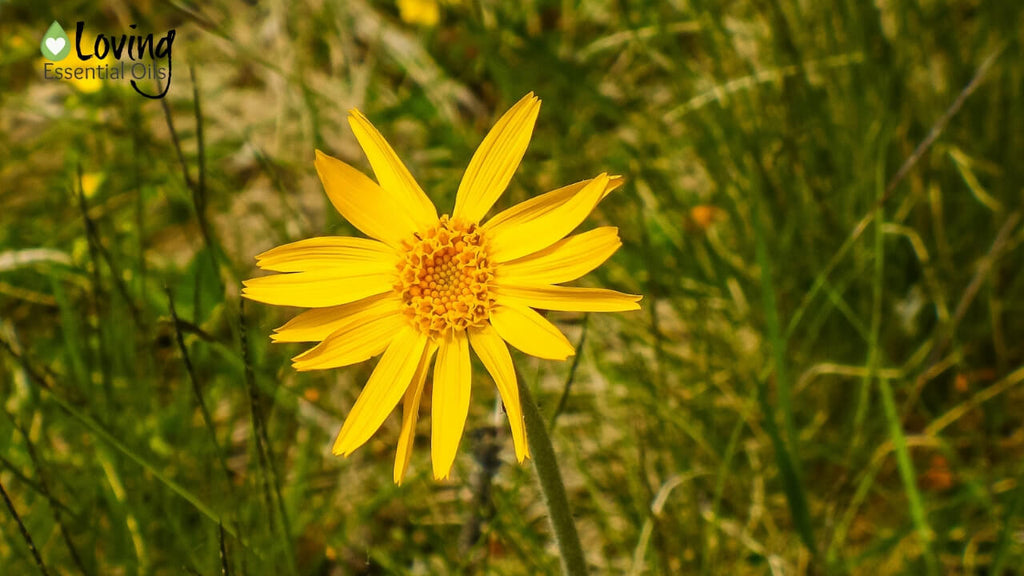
(823, 211)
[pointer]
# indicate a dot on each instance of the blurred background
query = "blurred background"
(822, 209)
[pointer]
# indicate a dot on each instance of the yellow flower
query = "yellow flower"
(423, 12)
(422, 285)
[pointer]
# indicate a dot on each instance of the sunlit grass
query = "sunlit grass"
(825, 376)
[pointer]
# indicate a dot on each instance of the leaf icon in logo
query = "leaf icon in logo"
(55, 44)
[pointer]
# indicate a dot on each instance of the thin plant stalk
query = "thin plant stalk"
(24, 532)
(907, 475)
(550, 477)
(896, 436)
(785, 442)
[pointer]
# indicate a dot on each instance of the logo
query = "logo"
(55, 44)
(133, 57)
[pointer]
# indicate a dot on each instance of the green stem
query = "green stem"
(907, 475)
(896, 436)
(546, 465)
(785, 443)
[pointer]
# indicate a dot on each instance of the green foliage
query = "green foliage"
(787, 401)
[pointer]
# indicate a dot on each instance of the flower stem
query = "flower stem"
(546, 466)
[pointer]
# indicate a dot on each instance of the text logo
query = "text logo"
(129, 57)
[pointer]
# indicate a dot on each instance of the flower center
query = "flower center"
(443, 277)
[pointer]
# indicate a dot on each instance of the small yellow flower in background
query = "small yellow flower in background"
(422, 12)
(423, 285)
(91, 183)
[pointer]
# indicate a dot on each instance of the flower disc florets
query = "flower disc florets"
(443, 278)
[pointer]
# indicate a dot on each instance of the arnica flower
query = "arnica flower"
(422, 285)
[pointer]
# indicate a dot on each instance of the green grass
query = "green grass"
(825, 376)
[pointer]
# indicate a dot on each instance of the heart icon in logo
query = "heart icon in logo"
(55, 45)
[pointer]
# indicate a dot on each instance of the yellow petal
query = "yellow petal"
(375, 212)
(530, 332)
(316, 289)
(541, 221)
(386, 386)
(492, 351)
(392, 174)
(450, 402)
(410, 413)
(360, 339)
(563, 261)
(356, 254)
(554, 198)
(319, 323)
(495, 160)
(613, 183)
(567, 298)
